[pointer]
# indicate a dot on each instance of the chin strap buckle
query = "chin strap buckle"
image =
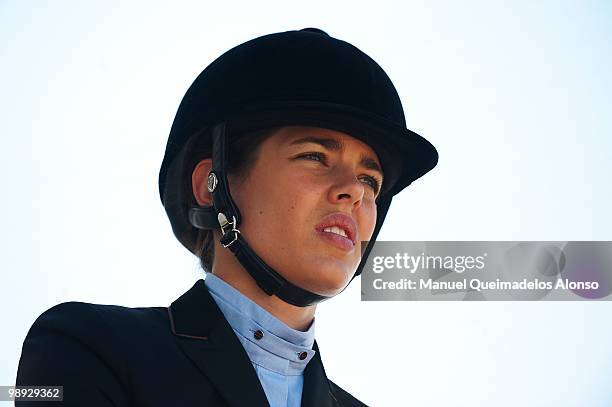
(227, 239)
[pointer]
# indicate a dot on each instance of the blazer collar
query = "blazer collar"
(195, 313)
(317, 391)
(206, 337)
(209, 341)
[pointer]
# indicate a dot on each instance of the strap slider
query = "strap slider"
(224, 223)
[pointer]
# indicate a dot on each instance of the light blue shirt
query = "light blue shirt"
(276, 354)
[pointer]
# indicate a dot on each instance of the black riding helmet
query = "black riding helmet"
(302, 78)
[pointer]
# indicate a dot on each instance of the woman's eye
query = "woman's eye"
(313, 156)
(373, 182)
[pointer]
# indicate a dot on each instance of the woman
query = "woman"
(281, 164)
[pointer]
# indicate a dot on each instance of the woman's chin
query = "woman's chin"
(328, 277)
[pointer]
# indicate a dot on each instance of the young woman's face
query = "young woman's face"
(308, 187)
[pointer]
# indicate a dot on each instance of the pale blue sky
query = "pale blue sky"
(516, 96)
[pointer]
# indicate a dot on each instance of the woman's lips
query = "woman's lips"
(340, 221)
(337, 240)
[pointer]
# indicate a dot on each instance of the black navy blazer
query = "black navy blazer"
(183, 355)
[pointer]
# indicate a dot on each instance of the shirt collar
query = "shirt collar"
(269, 342)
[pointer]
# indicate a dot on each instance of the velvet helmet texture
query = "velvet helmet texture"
(303, 77)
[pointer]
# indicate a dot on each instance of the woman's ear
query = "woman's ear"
(199, 182)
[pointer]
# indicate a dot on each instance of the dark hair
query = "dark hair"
(242, 155)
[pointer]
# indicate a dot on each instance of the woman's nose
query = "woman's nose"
(346, 189)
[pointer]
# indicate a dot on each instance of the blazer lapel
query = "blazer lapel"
(317, 392)
(207, 338)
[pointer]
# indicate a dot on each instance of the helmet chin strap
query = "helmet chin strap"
(224, 214)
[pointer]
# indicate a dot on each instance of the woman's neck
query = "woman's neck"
(231, 271)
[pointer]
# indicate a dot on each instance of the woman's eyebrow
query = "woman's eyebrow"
(335, 145)
(371, 164)
(328, 143)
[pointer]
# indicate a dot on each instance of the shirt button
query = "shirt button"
(303, 355)
(258, 334)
